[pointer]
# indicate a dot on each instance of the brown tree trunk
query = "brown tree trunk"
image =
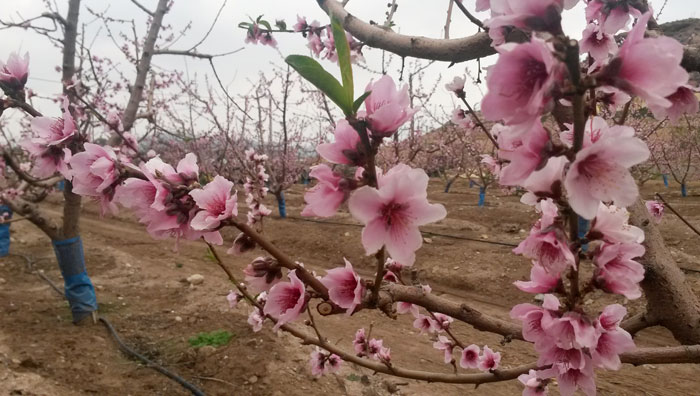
(670, 300)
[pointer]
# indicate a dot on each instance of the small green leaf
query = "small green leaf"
(342, 48)
(244, 25)
(265, 23)
(358, 102)
(314, 73)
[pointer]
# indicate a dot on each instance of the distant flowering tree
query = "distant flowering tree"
(581, 172)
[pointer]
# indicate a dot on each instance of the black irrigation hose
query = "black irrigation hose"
(123, 347)
(423, 232)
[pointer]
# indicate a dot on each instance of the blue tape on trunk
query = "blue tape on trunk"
(78, 287)
(5, 232)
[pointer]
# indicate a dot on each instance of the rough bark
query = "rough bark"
(71, 206)
(448, 50)
(144, 66)
(670, 300)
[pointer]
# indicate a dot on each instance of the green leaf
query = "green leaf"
(314, 73)
(244, 25)
(265, 23)
(358, 102)
(342, 48)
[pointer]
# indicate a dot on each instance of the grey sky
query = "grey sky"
(417, 17)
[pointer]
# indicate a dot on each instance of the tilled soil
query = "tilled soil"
(142, 290)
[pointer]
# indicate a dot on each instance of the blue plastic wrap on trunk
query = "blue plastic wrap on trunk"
(583, 226)
(78, 287)
(684, 190)
(5, 232)
(665, 177)
(482, 196)
(282, 205)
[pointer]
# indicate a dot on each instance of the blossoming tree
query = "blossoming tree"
(582, 171)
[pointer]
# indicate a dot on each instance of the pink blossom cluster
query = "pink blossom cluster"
(256, 186)
(572, 344)
(322, 43)
(48, 145)
(373, 348)
(324, 362)
(586, 170)
(14, 73)
(394, 208)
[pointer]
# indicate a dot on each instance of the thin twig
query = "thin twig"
(695, 230)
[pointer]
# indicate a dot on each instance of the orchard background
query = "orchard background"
(391, 214)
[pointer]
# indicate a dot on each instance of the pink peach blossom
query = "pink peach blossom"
(424, 323)
(470, 357)
(46, 146)
(387, 108)
(647, 67)
(534, 386)
(571, 379)
(262, 273)
(456, 86)
(599, 44)
(613, 340)
(656, 210)
(233, 299)
(216, 204)
(611, 15)
(462, 119)
(441, 322)
(446, 345)
(611, 225)
(546, 182)
(404, 308)
(525, 152)
(683, 101)
(549, 248)
(520, 83)
(570, 331)
(616, 271)
(360, 342)
(540, 281)
(324, 363)
(593, 131)
(612, 97)
(601, 172)
(14, 73)
(539, 15)
(345, 287)
(300, 25)
(489, 360)
(286, 300)
(346, 149)
(324, 199)
(256, 319)
(95, 174)
(393, 213)
(533, 317)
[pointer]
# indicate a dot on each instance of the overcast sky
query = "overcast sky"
(416, 17)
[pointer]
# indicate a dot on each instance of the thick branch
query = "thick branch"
(32, 213)
(144, 66)
(393, 292)
(670, 299)
(10, 161)
(449, 50)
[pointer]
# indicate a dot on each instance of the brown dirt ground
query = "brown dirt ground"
(141, 289)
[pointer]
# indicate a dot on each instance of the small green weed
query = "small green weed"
(215, 338)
